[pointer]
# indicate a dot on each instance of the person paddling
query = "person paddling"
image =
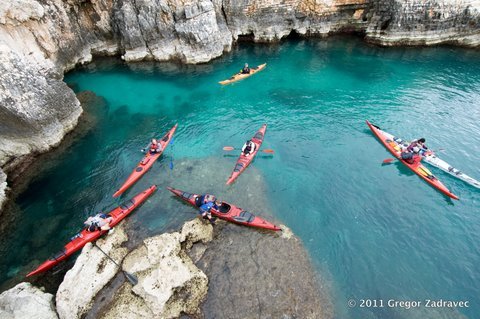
(417, 146)
(206, 203)
(155, 147)
(246, 69)
(413, 153)
(248, 148)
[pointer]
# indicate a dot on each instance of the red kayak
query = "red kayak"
(146, 163)
(81, 239)
(243, 161)
(228, 212)
(418, 168)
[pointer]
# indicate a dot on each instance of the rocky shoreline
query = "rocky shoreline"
(183, 274)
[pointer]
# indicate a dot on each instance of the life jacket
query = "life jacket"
(153, 147)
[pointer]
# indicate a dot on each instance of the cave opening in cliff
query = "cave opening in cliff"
(294, 35)
(246, 37)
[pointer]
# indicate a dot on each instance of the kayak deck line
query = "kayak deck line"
(387, 140)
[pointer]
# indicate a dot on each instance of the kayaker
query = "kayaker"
(248, 148)
(246, 69)
(206, 203)
(155, 147)
(98, 222)
(417, 146)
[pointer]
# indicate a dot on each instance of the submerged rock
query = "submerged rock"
(25, 301)
(260, 274)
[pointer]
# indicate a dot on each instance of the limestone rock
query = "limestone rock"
(25, 301)
(3, 187)
(413, 22)
(91, 272)
(20, 11)
(195, 231)
(191, 31)
(169, 282)
(36, 107)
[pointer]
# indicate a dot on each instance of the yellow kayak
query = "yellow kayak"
(241, 76)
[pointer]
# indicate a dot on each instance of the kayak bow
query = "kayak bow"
(243, 161)
(240, 76)
(396, 149)
(81, 239)
(146, 163)
(229, 212)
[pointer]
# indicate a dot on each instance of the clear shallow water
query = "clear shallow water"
(374, 231)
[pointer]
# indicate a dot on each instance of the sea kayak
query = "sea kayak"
(146, 163)
(240, 76)
(432, 159)
(243, 161)
(81, 239)
(228, 212)
(396, 149)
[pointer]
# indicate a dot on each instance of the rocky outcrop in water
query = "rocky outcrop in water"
(36, 108)
(169, 282)
(25, 301)
(267, 275)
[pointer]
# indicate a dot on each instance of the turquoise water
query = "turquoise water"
(373, 232)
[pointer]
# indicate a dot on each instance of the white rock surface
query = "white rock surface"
(169, 282)
(3, 188)
(25, 301)
(91, 272)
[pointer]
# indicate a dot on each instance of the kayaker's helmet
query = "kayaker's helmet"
(246, 65)
(210, 198)
(154, 141)
(421, 140)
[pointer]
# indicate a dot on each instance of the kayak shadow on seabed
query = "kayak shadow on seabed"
(403, 170)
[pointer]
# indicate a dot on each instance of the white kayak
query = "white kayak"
(433, 160)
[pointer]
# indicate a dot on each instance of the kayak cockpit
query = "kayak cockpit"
(238, 167)
(58, 255)
(259, 136)
(244, 217)
(224, 208)
(128, 204)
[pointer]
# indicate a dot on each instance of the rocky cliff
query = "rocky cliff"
(40, 39)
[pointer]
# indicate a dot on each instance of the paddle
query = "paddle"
(171, 155)
(231, 148)
(133, 280)
(389, 160)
